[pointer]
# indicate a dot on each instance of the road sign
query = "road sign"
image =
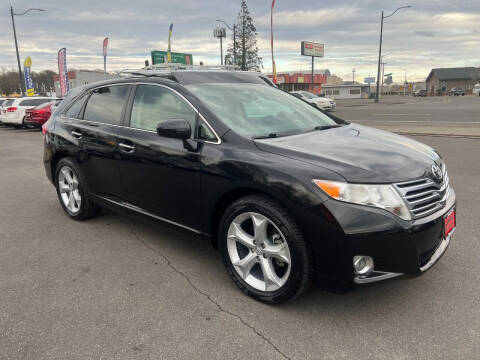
(313, 49)
(369, 80)
(160, 57)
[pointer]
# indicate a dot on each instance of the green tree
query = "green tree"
(244, 42)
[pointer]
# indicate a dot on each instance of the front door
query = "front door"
(159, 174)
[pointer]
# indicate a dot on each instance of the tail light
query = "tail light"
(12, 109)
(44, 129)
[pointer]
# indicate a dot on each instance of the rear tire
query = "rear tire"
(72, 191)
(273, 263)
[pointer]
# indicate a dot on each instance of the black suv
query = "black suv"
(287, 192)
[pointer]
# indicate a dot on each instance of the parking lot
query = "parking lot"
(117, 288)
(446, 115)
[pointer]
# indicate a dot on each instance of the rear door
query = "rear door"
(159, 174)
(90, 128)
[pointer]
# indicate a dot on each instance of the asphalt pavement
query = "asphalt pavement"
(117, 288)
(445, 115)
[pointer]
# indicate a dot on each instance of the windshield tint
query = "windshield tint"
(255, 110)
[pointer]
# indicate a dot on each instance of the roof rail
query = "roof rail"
(167, 68)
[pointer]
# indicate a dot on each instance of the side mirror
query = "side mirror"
(175, 129)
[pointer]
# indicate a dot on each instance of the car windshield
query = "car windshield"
(309, 95)
(254, 110)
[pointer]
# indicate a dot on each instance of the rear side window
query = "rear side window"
(105, 105)
(32, 102)
(154, 104)
(74, 110)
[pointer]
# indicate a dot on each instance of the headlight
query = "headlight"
(381, 196)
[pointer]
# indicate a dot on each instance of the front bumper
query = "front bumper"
(396, 246)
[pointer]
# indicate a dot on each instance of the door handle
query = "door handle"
(76, 134)
(126, 147)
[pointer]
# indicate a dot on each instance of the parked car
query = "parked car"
(39, 115)
(14, 112)
(286, 192)
(456, 91)
(3, 108)
(476, 90)
(420, 93)
(322, 103)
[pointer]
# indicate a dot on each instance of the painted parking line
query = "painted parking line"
(401, 114)
(418, 121)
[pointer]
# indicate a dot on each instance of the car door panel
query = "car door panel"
(159, 174)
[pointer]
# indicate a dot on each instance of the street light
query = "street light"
(20, 77)
(234, 39)
(380, 48)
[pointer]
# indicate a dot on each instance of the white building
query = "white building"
(356, 91)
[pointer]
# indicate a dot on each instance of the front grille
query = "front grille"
(425, 196)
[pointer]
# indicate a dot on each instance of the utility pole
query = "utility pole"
(405, 84)
(313, 72)
(353, 78)
(20, 76)
(380, 49)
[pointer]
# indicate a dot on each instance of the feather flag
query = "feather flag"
(169, 52)
(274, 68)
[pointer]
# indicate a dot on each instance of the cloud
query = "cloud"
(433, 33)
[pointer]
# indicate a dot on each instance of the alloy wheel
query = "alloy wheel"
(69, 189)
(258, 251)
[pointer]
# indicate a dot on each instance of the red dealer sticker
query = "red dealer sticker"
(449, 222)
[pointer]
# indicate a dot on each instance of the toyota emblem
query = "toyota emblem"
(437, 172)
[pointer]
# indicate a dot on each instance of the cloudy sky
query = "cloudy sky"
(434, 33)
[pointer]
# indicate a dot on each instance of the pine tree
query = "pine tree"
(244, 41)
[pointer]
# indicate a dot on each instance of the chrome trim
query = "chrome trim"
(374, 277)
(439, 252)
(218, 142)
(144, 212)
(431, 198)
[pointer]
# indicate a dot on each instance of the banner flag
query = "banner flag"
(105, 44)
(169, 52)
(28, 76)
(274, 67)
(63, 72)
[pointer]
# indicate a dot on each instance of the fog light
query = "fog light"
(363, 265)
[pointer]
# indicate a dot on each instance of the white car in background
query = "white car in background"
(13, 111)
(322, 103)
(476, 89)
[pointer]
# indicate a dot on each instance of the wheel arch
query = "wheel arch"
(233, 195)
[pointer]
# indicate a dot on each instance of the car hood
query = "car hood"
(358, 153)
(321, 100)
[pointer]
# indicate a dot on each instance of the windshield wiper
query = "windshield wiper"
(268, 136)
(325, 127)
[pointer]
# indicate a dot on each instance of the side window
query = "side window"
(74, 110)
(154, 104)
(204, 133)
(105, 105)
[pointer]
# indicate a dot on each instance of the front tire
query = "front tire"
(264, 251)
(71, 191)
